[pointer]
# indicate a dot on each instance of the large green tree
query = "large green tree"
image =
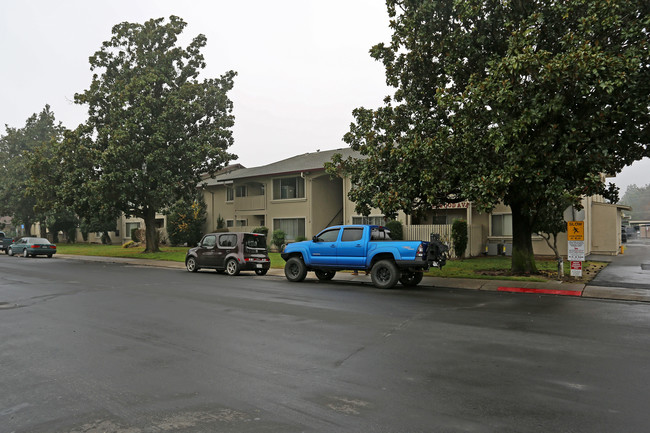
(639, 199)
(16, 149)
(513, 101)
(153, 127)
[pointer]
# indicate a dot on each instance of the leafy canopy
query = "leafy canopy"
(513, 101)
(17, 148)
(153, 127)
(639, 199)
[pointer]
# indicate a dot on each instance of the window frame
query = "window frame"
(300, 190)
(297, 219)
(503, 230)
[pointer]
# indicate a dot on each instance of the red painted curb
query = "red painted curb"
(542, 291)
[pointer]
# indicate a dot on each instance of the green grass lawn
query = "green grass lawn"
(479, 267)
(172, 254)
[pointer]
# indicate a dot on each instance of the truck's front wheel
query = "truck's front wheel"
(295, 270)
(384, 274)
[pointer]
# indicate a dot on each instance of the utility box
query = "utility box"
(508, 249)
(492, 249)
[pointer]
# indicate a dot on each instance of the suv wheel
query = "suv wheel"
(191, 264)
(232, 267)
(295, 270)
(261, 272)
(384, 274)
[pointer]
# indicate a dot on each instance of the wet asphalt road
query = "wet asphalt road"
(91, 347)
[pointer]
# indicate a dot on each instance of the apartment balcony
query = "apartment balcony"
(250, 203)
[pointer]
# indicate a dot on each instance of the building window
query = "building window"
(130, 227)
(230, 193)
(241, 191)
(292, 227)
(502, 225)
(230, 223)
(241, 223)
(288, 188)
(372, 220)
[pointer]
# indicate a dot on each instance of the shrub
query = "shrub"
(262, 230)
(279, 238)
(129, 244)
(185, 221)
(221, 224)
(396, 230)
(301, 238)
(459, 237)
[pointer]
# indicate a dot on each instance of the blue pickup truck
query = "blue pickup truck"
(362, 248)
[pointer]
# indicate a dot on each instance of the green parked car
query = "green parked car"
(32, 247)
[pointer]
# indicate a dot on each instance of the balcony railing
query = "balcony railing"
(254, 202)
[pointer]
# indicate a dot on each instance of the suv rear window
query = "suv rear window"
(257, 242)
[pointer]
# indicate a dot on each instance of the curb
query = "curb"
(554, 288)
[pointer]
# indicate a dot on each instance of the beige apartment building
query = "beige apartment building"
(296, 196)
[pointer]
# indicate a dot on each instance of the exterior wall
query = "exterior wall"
(349, 211)
(216, 205)
(326, 203)
(260, 207)
(602, 228)
(605, 229)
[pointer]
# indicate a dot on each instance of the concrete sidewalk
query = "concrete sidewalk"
(550, 288)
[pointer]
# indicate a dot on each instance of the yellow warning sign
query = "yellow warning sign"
(576, 230)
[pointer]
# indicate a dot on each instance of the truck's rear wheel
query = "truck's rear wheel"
(384, 274)
(410, 279)
(324, 275)
(295, 270)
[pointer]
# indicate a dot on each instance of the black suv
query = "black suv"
(230, 253)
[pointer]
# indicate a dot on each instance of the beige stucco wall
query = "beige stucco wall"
(349, 207)
(327, 203)
(605, 229)
(255, 208)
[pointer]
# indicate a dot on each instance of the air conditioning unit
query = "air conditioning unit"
(492, 249)
(508, 249)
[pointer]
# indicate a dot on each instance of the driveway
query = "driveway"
(630, 270)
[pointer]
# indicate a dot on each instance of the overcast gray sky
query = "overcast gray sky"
(303, 65)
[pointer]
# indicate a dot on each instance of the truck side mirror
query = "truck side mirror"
(315, 239)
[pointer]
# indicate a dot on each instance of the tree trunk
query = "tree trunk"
(523, 259)
(28, 227)
(150, 232)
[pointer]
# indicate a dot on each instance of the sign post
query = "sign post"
(576, 249)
